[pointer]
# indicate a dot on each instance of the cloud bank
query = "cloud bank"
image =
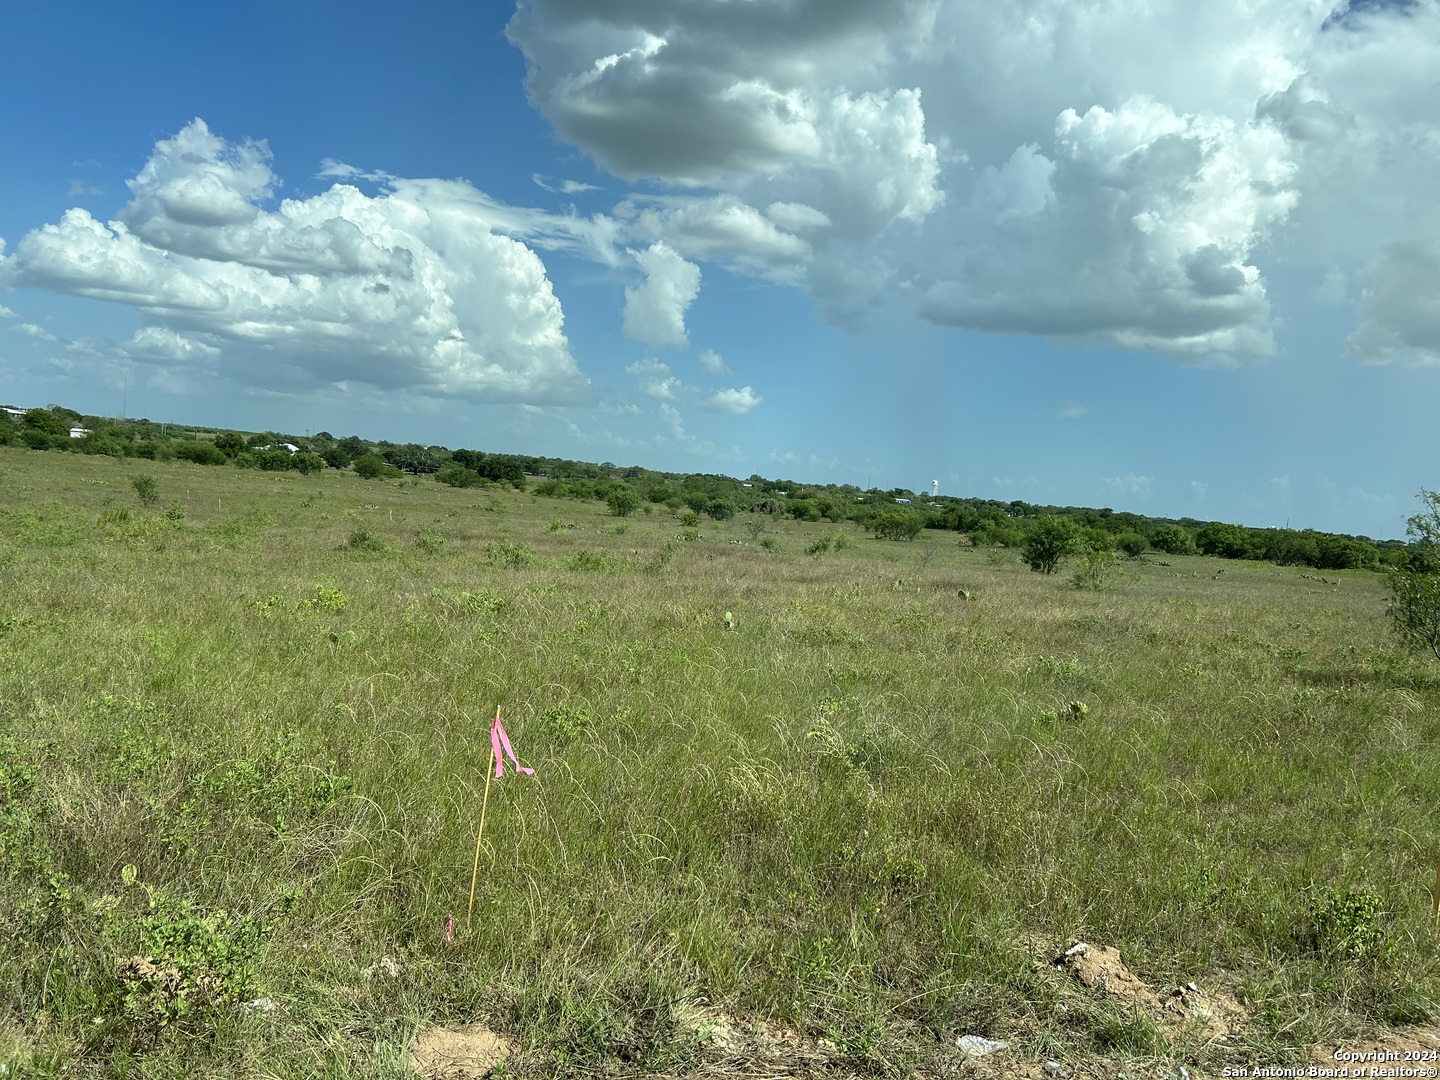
(1119, 175)
(409, 290)
(1132, 176)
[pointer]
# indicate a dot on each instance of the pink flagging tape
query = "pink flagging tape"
(499, 740)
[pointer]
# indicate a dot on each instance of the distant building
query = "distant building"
(79, 432)
(903, 502)
(12, 411)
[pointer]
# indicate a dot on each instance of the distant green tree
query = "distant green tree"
(1287, 547)
(1090, 538)
(1133, 544)
(455, 476)
(354, 446)
(147, 487)
(623, 500)
(896, 525)
(68, 417)
(273, 460)
(45, 422)
(1343, 553)
(229, 443)
(1173, 540)
(103, 443)
(1049, 540)
(306, 462)
(1414, 607)
(506, 469)
(200, 452)
(1226, 541)
(1392, 557)
(412, 457)
(802, 508)
(370, 467)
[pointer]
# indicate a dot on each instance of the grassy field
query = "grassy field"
(243, 743)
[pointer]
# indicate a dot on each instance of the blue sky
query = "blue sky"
(1169, 259)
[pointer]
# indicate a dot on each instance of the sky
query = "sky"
(1175, 259)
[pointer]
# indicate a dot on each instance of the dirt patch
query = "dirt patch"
(730, 1047)
(1214, 1015)
(1387, 1050)
(1100, 968)
(461, 1053)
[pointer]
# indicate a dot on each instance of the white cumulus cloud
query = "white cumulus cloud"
(1130, 484)
(1138, 232)
(39, 333)
(407, 290)
(655, 310)
(738, 401)
(656, 380)
(690, 93)
(787, 107)
(156, 342)
(1123, 174)
(712, 363)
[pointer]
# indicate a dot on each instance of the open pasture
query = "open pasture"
(243, 740)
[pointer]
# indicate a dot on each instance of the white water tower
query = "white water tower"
(934, 488)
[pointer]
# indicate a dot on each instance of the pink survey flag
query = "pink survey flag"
(501, 741)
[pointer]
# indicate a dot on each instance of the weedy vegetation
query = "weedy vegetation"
(804, 776)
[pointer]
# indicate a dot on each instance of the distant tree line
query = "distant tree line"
(893, 514)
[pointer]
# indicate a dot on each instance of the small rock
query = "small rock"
(975, 1046)
(386, 965)
(1055, 1069)
(263, 1004)
(463, 1053)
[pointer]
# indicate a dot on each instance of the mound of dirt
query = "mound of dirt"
(1100, 968)
(462, 1053)
(1388, 1050)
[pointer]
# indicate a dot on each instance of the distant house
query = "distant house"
(290, 446)
(12, 411)
(903, 502)
(79, 432)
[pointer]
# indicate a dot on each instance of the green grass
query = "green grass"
(243, 734)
